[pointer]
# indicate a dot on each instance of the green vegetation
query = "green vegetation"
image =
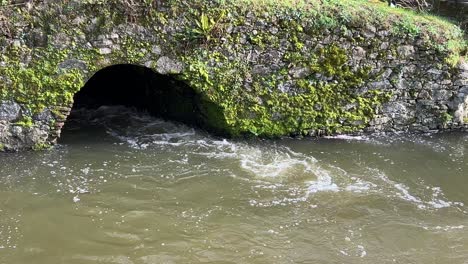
(266, 111)
(263, 110)
(26, 122)
(41, 83)
(206, 25)
(41, 146)
(446, 118)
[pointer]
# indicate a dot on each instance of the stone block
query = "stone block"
(9, 111)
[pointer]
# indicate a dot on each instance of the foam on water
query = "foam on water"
(324, 183)
(275, 162)
(347, 137)
(271, 163)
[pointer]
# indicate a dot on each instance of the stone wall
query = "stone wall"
(17, 133)
(271, 70)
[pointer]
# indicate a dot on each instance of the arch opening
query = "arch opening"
(145, 90)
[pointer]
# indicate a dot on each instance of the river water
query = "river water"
(123, 187)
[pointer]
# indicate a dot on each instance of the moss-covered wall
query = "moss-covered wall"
(266, 68)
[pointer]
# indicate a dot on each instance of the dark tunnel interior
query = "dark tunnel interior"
(141, 88)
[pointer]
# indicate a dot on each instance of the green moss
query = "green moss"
(330, 107)
(41, 146)
(26, 122)
(40, 83)
(212, 117)
(264, 110)
(131, 51)
(2, 147)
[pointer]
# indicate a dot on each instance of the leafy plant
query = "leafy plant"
(446, 118)
(205, 25)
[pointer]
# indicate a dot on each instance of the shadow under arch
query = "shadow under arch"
(142, 88)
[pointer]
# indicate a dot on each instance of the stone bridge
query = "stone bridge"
(236, 68)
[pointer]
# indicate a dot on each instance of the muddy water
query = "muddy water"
(124, 187)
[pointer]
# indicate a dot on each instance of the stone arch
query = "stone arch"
(161, 95)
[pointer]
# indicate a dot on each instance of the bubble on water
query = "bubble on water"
(85, 171)
(362, 251)
(344, 253)
(273, 232)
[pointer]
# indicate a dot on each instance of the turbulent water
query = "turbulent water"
(123, 187)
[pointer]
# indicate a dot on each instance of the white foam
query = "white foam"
(322, 184)
(405, 194)
(263, 162)
(437, 200)
(445, 228)
(258, 163)
(359, 187)
(362, 250)
(347, 137)
(439, 203)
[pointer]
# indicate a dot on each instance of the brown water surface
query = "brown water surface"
(123, 187)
